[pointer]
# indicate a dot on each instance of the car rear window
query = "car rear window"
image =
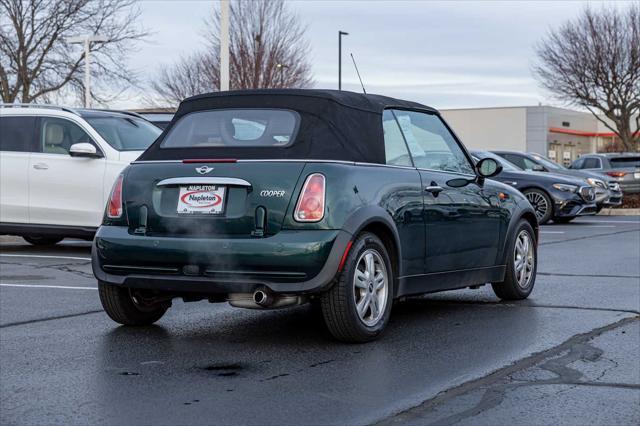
(234, 128)
(622, 162)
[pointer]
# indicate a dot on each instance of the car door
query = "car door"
(64, 190)
(462, 219)
(17, 141)
(577, 164)
(404, 197)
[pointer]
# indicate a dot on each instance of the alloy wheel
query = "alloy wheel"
(539, 203)
(371, 284)
(523, 259)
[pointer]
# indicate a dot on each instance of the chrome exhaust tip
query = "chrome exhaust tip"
(262, 298)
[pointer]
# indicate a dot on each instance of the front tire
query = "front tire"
(522, 264)
(358, 306)
(125, 308)
(541, 203)
(38, 240)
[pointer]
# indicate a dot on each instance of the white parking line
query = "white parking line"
(598, 226)
(637, 222)
(66, 287)
(40, 256)
(552, 232)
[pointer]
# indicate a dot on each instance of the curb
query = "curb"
(619, 212)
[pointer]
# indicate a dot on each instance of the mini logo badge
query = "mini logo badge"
(204, 170)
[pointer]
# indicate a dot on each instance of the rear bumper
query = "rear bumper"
(291, 262)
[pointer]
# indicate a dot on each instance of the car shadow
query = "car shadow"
(301, 326)
(67, 247)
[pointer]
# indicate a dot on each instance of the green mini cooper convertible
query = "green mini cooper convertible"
(273, 198)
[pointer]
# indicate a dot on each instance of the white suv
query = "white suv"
(57, 166)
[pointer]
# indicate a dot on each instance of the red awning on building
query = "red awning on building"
(581, 133)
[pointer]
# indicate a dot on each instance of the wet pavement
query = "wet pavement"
(569, 354)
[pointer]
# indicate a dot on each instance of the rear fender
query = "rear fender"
(366, 217)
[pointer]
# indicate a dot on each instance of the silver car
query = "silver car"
(624, 168)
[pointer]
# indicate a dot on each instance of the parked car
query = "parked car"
(273, 198)
(624, 168)
(553, 197)
(160, 119)
(608, 193)
(57, 166)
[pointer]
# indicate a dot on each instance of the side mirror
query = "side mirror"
(538, 168)
(488, 167)
(84, 150)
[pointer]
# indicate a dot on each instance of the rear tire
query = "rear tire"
(358, 306)
(122, 307)
(38, 240)
(541, 203)
(522, 264)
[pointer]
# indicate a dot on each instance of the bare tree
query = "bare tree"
(267, 50)
(594, 62)
(189, 76)
(36, 62)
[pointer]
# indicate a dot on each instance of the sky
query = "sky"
(453, 54)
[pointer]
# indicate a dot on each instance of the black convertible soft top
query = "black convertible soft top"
(334, 125)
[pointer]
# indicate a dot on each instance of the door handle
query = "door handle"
(434, 188)
(40, 166)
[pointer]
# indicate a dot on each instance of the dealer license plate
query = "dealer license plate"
(201, 199)
(636, 175)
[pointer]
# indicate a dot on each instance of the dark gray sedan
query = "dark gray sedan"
(608, 193)
(624, 168)
(553, 197)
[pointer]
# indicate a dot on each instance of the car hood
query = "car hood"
(584, 174)
(129, 156)
(550, 177)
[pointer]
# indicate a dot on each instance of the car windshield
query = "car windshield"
(547, 163)
(125, 133)
(505, 164)
(622, 162)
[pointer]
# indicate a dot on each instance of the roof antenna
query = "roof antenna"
(358, 72)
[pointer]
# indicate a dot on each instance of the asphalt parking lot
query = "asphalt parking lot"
(569, 354)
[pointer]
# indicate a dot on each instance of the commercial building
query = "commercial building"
(561, 134)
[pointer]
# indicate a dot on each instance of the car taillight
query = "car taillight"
(617, 174)
(310, 207)
(114, 208)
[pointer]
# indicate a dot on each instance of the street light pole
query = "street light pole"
(87, 40)
(224, 45)
(340, 34)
